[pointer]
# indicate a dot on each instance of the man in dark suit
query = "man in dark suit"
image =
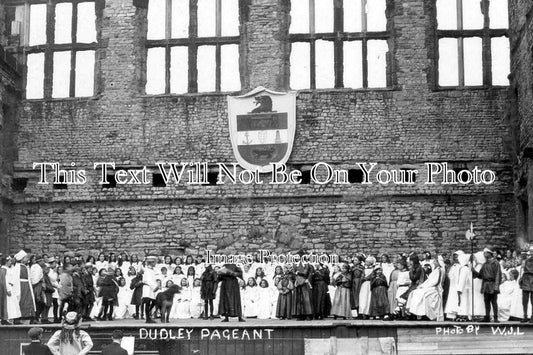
(114, 348)
(35, 347)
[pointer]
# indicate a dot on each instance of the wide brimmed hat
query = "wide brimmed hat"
(51, 260)
(487, 250)
(151, 258)
(71, 320)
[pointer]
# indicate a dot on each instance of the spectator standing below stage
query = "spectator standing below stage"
(70, 340)
(491, 276)
(526, 284)
(35, 347)
(230, 294)
(114, 348)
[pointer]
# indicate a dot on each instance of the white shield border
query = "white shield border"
(291, 127)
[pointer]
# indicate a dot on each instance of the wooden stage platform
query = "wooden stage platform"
(289, 337)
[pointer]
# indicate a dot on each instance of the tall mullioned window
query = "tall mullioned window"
(59, 40)
(339, 43)
(193, 46)
(473, 43)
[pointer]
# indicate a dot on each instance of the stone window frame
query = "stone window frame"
(486, 34)
(338, 36)
(49, 48)
(192, 42)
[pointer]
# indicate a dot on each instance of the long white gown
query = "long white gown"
(183, 305)
(365, 294)
(264, 303)
(124, 309)
(251, 308)
(452, 303)
(426, 300)
(197, 304)
(465, 287)
(13, 308)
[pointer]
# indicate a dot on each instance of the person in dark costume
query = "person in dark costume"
(379, 300)
(416, 275)
(285, 287)
(358, 273)
(230, 295)
(136, 285)
(302, 306)
(108, 292)
(208, 290)
(79, 290)
(321, 298)
(526, 284)
(491, 276)
(88, 292)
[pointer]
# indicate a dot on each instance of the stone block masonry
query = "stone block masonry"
(410, 123)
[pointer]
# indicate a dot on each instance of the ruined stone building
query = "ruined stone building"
(136, 82)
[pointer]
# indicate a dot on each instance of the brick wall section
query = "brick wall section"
(520, 112)
(9, 99)
(410, 124)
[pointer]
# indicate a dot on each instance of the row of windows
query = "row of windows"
(193, 45)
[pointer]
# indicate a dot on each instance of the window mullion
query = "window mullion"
(193, 49)
(338, 25)
(218, 50)
(48, 52)
(460, 47)
(168, 35)
(74, 23)
(312, 46)
(486, 45)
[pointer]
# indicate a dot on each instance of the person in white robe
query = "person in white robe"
(479, 301)
(426, 299)
(264, 300)
(13, 307)
(387, 267)
(365, 292)
(149, 287)
(250, 299)
(124, 309)
(452, 303)
(197, 304)
(505, 298)
(183, 301)
(464, 288)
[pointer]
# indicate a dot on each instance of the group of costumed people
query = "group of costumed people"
(117, 286)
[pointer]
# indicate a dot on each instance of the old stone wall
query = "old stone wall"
(401, 127)
(520, 112)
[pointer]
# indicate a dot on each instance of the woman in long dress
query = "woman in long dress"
(393, 288)
(321, 299)
(404, 282)
(285, 287)
(379, 302)
(124, 308)
(464, 288)
(197, 304)
(426, 299)
(364, 292)
(183, 305)
(452, 302)
(230, 295)
(341, 302)
(251, 308)
(264, 303)
(358, 273)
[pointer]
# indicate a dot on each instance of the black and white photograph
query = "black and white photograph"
(266, 177)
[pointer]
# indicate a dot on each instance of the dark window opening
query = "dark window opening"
(355, 176)
(306, 177)
(212, 177)
(19, 184)
(158, 181)
(111, 182)
(61, 184)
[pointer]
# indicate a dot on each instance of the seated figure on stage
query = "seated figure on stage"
(426, 299)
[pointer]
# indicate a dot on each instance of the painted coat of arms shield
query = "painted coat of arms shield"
(262, 124)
